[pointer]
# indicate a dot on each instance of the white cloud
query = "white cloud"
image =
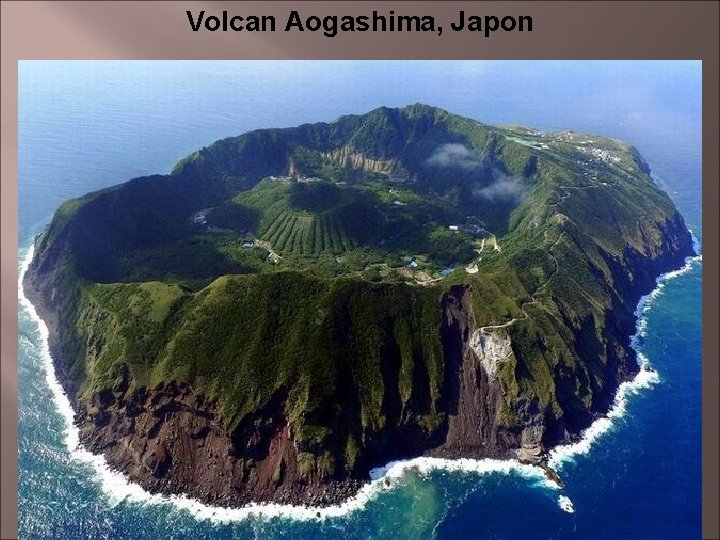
(454, 155)
(503, 188)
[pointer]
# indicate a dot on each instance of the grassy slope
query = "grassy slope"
(352, 354)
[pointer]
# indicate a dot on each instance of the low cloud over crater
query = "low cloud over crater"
(489, 184)
(454, 155)
(503, 188)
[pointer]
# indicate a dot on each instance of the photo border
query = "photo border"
(159, 30)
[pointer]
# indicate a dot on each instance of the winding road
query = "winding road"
(533, 299)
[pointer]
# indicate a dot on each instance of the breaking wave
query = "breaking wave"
(119, 489)
(645, 378)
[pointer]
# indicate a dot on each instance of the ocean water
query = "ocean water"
(637, 474)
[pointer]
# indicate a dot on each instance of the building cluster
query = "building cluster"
(471, 226)
(600, 154)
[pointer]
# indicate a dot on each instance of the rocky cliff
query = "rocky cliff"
(200, 366)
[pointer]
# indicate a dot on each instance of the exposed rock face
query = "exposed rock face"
(348, 157)
(474, 394)
(491, 348)
(170, 440)
(464, 393)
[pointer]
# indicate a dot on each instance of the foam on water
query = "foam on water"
(117, 488)
(566, 504)
(644, 379)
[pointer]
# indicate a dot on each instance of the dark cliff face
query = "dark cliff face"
(54, 292)
(473, 392)
(169, 439)
(337, 377)
(634, 275)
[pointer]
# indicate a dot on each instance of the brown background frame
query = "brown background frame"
(159, 30)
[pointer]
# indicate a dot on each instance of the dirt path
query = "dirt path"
(533, 299)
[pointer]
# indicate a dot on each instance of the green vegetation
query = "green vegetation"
(311, 262)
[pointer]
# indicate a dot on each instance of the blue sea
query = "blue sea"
(637, 474)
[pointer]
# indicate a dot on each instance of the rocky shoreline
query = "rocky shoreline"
(321, 372)
(170, 441)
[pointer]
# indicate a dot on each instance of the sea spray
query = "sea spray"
(566, 504)
(645, 378)
(117, 488)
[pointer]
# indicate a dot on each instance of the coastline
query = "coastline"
(118, 488)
